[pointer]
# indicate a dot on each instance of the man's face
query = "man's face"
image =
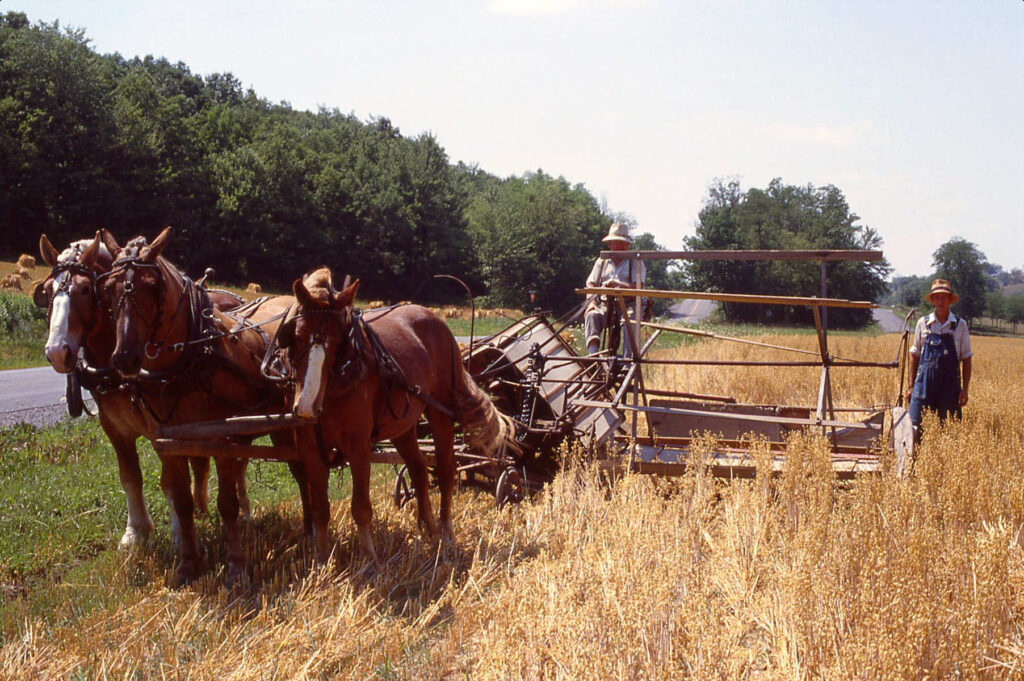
(618, 245)
(941, 301)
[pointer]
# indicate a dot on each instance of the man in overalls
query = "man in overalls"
(616, 272)
(942, 344)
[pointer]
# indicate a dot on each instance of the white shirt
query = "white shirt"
(629, 271)
(929, 324)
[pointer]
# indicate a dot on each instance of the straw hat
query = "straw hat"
(618, 232)
(942, 286)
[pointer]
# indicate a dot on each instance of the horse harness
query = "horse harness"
(360, 348)
(195, 350)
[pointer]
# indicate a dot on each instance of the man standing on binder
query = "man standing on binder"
(618, 271)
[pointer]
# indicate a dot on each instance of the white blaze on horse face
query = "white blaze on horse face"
(60, 348)
(306, 401)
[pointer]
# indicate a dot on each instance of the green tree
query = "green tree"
(963, 265)
(55, 134)
(536, 233)
(660, 273)
(784, 217)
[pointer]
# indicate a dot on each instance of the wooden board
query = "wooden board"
(830, 255)
(728, 297)
(167, 447)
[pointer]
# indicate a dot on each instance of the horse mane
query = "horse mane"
(320, 285)
(75, 249)
(134, 248)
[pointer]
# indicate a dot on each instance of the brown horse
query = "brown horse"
(369, 381)
(180, 367)
(82, 338)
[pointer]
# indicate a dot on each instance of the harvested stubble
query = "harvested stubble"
(795, 577)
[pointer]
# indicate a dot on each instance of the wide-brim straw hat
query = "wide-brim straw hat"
(618, 232)
(942, 286)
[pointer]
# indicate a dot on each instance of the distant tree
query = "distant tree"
(536, 233)
(784, 217)
(1014, 309)
(995, 305)
(56, 134)
(907, 291)
(660, 274)
(963, 265)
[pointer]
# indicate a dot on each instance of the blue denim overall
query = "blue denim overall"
(937, 384)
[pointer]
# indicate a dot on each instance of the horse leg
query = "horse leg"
(409, 449)
(242, 491)
(200, 483)
(227, 504)
(283, 438)
(362, 509)
(443, 429)
(317, 477)
(139, 525)
(174, 481)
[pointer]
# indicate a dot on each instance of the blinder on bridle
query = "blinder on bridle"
(130, 262)
(286, 332)
(61, 274)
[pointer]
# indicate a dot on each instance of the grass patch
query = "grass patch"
(62, 512)
(22, 332)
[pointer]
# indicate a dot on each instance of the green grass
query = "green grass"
(62, 513)
(22, 332)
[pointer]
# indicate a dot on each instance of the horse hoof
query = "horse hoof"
(132, 540)
(234, 575)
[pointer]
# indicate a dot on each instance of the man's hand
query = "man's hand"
(910, 394)
(963, 397)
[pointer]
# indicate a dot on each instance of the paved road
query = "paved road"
(691, 311)
(33, 396)
(887, 320)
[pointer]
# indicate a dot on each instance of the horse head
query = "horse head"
(69, 295)
(316, 334)
(140, 293)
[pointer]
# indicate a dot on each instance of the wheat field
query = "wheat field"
(794, 577)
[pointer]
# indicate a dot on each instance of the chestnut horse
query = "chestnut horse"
(369, 381)
(82, 338)
(181, 366)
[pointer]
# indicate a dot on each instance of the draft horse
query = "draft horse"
(369, 380)
(172, 350)
(80, 343)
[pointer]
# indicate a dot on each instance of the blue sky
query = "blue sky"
(913, 109)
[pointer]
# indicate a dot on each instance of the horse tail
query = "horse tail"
(486, 428)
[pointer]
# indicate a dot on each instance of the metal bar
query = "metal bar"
(237, 425)
(216, 448)
(788, 420)
(708, 334)
(738, 445)
(730, 297)
(824, 255)
(824, 293)
(634, 350)
(691, 396)
(755, 363)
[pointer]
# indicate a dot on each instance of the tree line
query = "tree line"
(263, 192)
(979, 283)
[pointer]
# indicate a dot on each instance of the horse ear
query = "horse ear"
(48, 252)
(89, 255)
(152, 252)
(346, 297)
(301, 294)
(109, 241)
